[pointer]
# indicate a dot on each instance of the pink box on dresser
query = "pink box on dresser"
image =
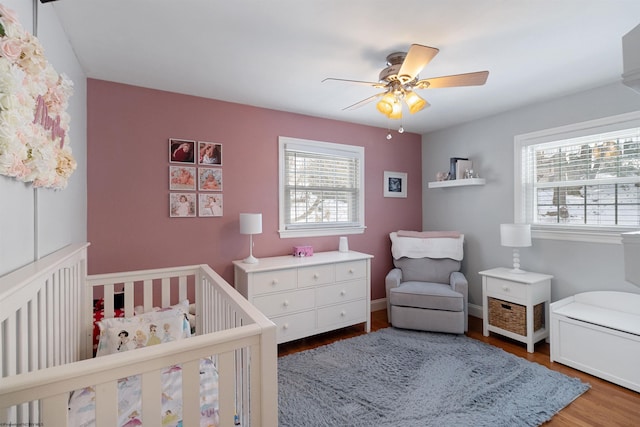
(303, 251)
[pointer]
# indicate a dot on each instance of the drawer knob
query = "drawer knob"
(343, 313)
(351, 271)
(316, 275)
(274, 282)
(286, 303)
(505, 288)
(343, 292)
(285, 326)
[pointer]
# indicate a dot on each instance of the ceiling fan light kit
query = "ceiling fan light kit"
(400, 80)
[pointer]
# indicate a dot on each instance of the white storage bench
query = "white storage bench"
(599, 333)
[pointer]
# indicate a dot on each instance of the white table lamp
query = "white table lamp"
(250, 223)
(515, 236)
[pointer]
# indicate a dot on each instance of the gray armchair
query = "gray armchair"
(427, 294)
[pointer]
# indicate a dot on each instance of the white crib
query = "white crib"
(46, 326)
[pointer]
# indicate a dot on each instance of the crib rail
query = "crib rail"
(239, 338)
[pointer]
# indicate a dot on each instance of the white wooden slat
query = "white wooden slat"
(65, 310)
(148, 295)
(182, 288)
(32, 334)
(151, 398)
(54, 410)
(226, 399)
(128, 299)
(22, 412)
(166, 292)
(252, 407)
(108, 301)
(22, 346)
(11, 364)
(54, 330)
(107, 404)
(191, 393)
(42, 328)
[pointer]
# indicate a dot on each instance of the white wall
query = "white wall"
(60, 217)
(477, 211)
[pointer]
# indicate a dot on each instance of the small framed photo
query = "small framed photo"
(209, 179)
(182, 151)
(209, 204)
(395, 184)
(182, 178)
(209, 153)
(182, 205)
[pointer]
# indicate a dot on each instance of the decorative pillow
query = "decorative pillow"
(137, 332)
(154, 327)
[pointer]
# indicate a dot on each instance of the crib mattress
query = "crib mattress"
(82, 402)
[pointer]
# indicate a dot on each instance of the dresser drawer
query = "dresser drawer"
(285, 302)
(316, 275)
(272, 281)
(350, 312)
(341, 292)
(510, 290)
(350, 270)
(294, 326)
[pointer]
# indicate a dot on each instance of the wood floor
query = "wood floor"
(605, 404)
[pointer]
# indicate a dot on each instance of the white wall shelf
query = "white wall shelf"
(457, 183)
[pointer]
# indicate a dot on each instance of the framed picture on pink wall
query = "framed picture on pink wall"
(182, 178)
(395, 184)
(182, 205)
(182, 151)
(209, 204)
(209, 153)
(209, 179)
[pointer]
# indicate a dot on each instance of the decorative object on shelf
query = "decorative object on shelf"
(343, 245)
(462, 169)
(395, 184)
(453, 167)
(34, 141)
(442, 176)
(515, 236)
(303, 251)
(250, 223)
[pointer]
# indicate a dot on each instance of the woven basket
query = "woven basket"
(512, 317)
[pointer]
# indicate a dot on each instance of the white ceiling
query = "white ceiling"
(275, 54)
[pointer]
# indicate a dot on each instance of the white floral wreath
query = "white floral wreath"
(34, 124)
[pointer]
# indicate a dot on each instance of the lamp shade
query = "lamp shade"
(515, 235)
(414, 102)
(250, 223)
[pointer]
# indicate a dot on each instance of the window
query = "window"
(580, 182)
(321, 188)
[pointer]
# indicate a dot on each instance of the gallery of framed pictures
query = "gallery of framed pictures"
(195, 178)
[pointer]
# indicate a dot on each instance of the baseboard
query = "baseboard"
(475, 310)
(381, 304)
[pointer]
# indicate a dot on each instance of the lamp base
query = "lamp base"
(517, 271)
(250, 260)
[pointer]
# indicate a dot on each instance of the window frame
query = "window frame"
(322, 148)
(569, 232)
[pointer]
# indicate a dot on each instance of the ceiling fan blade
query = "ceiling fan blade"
(374, 84)
(363, 102)
(468, 79)
(416, 59)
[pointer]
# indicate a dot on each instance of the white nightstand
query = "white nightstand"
(516, 291)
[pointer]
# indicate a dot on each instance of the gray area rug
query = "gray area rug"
(396, 377)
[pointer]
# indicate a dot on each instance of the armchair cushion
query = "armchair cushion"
(432, 296)
(426, 269)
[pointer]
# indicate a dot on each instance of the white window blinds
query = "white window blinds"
(591, 180)
(321, 185)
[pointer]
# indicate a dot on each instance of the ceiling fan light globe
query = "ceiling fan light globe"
(396, 113)
(385, 105)
(415, 102)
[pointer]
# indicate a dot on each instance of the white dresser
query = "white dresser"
(309, 295)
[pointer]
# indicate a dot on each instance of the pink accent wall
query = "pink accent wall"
(128, 184)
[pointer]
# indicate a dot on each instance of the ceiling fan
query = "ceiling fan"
(399, 81)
